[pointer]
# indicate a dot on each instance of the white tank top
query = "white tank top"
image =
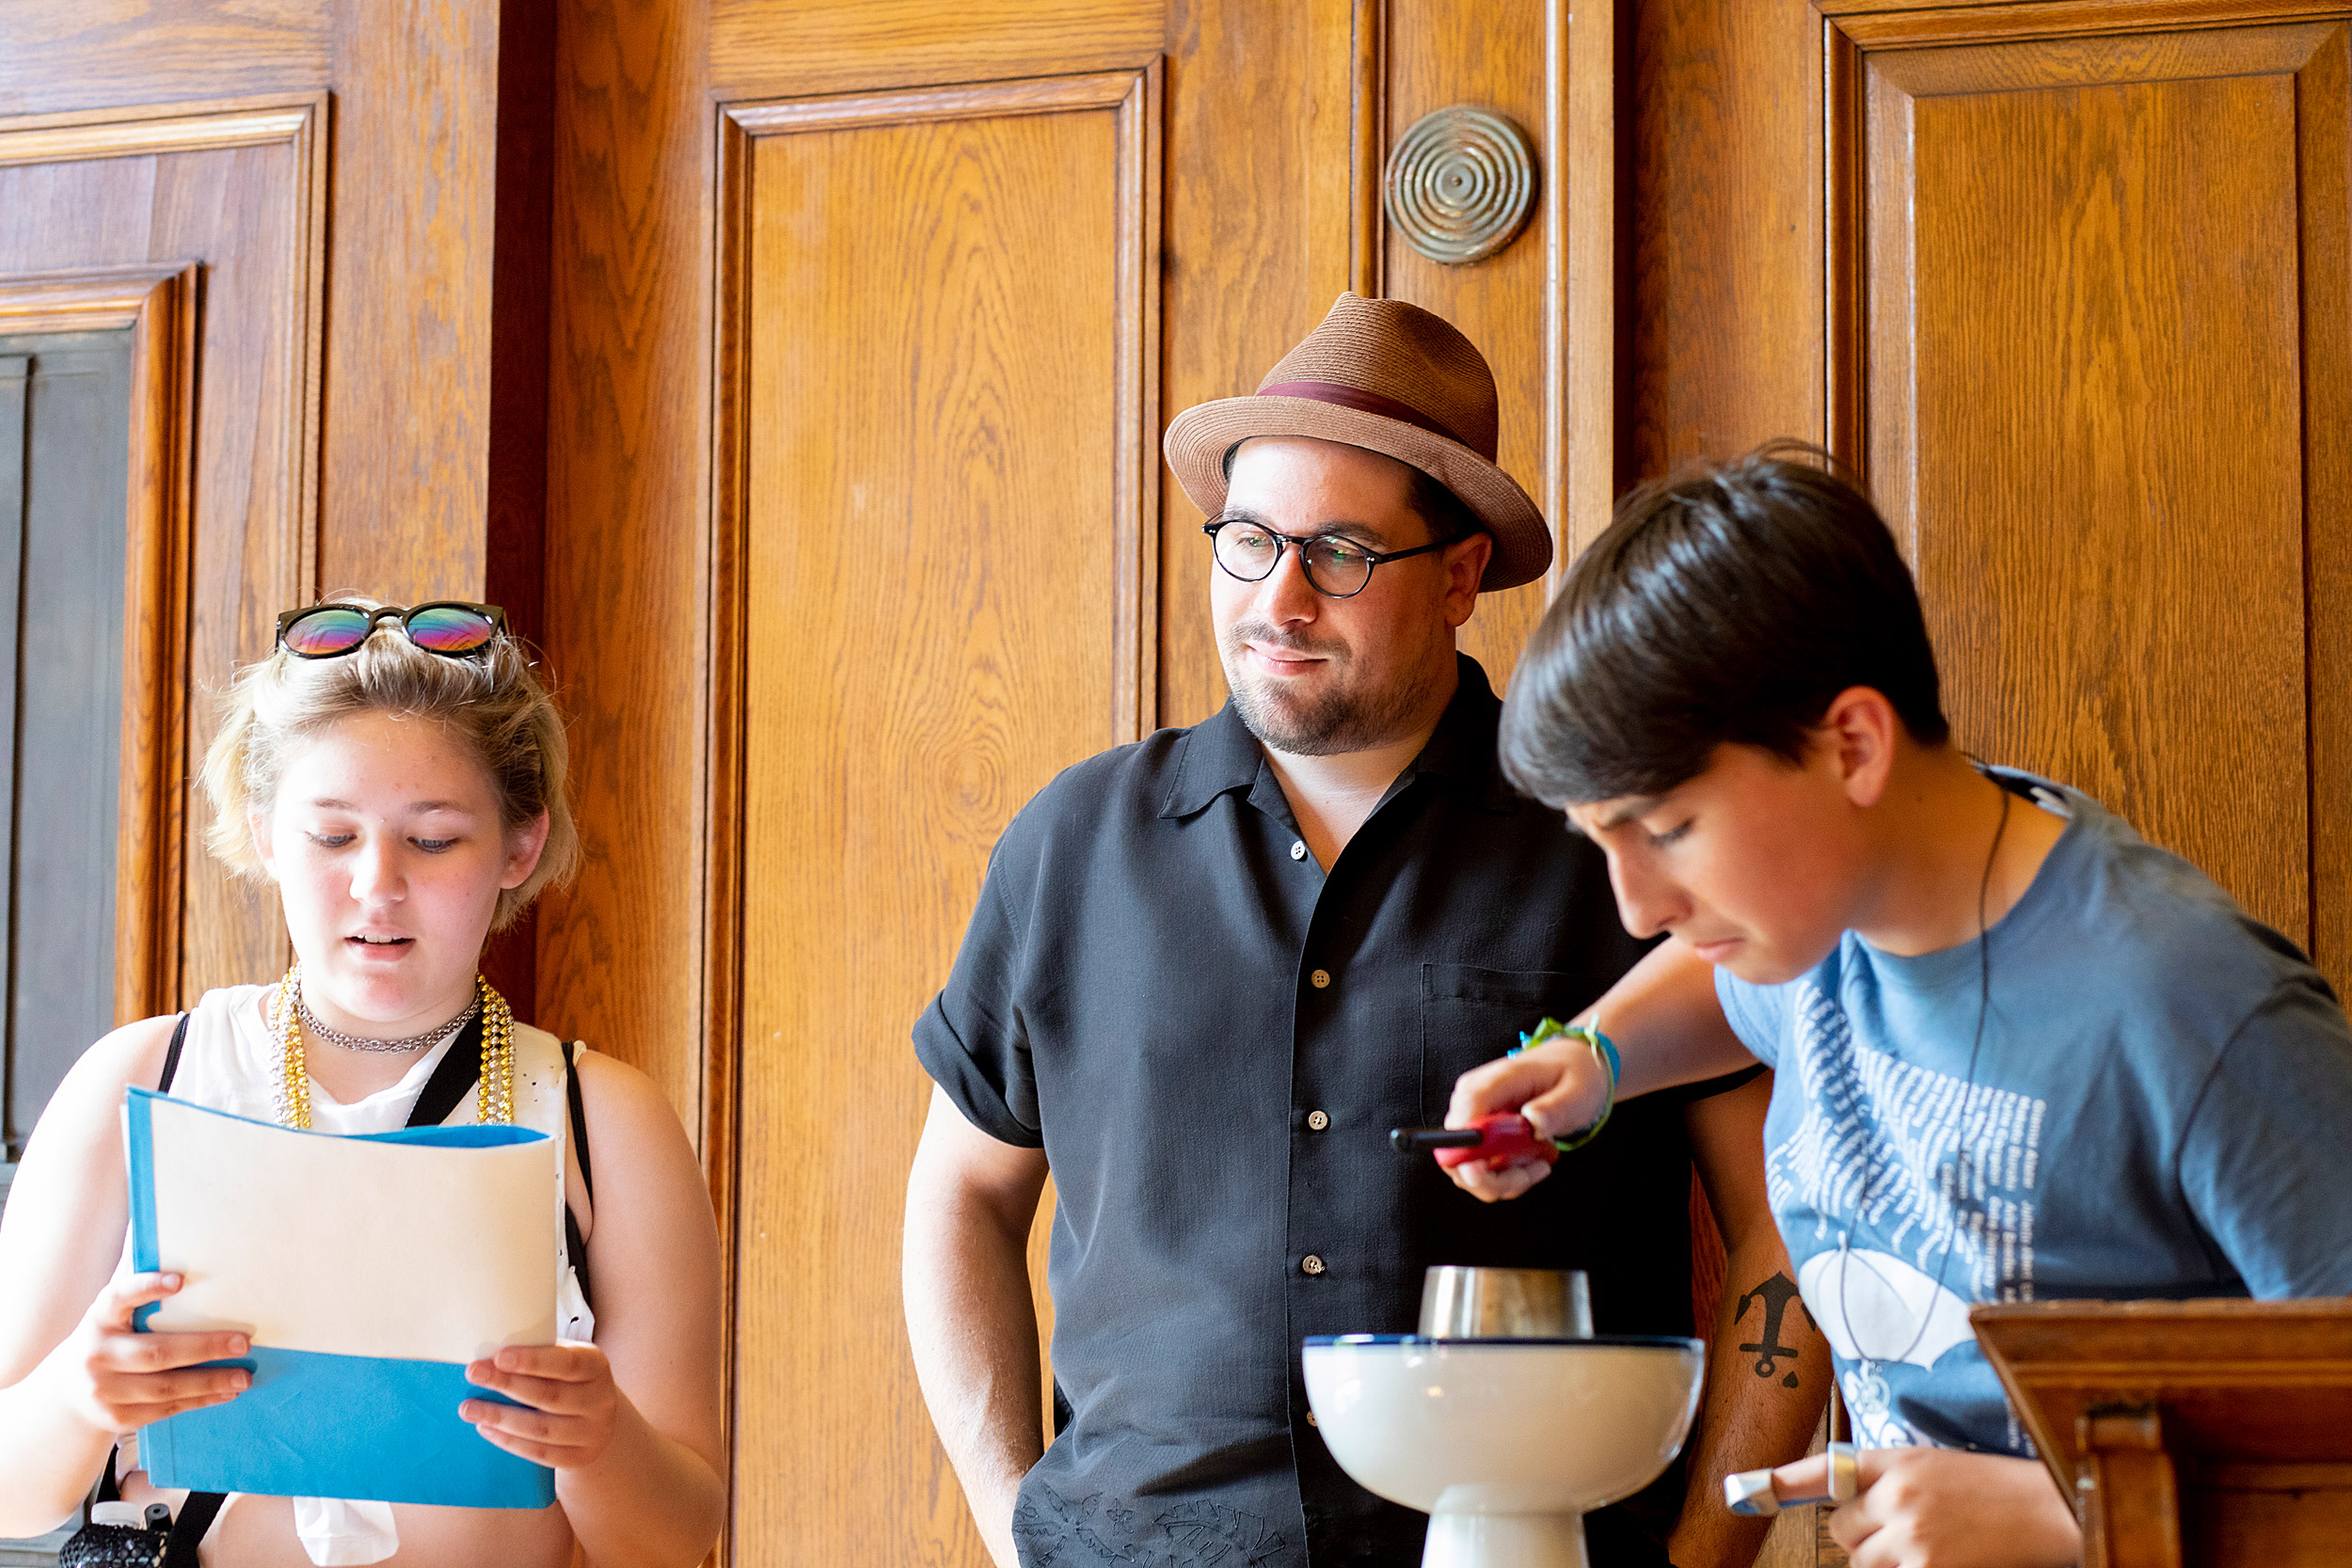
(229, 1060)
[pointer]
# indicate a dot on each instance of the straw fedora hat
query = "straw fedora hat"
(1393, 378)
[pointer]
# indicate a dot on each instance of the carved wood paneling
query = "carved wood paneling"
(240, 188)
(2210, 1432)
(158, 305)
(759, 46)
(2094, 390)
(937, 459)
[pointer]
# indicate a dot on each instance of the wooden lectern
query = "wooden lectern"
(2191, 1434)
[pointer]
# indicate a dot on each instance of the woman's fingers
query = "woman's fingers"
(125, 1296)
(565, 1378)
(137, 1391)
(540, 1393)
(126, 1352)
(567, 1363)
(549, 1454)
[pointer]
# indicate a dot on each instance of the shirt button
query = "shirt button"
(1320, 978)
(1298, 849)
(1317, 1121)
(1311, 1419)
(1311, 1263)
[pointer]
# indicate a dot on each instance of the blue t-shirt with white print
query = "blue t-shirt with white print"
(2160, 1108)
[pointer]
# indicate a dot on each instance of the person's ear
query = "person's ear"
(1861, 730)
(523, 847)
(257, 824)
(1465, 562)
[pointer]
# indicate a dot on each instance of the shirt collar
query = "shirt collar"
(1220, 754)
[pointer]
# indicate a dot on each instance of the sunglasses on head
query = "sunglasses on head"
(446, 626)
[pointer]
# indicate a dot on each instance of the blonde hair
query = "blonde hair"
(491, 699)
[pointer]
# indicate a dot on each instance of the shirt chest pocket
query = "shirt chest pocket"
(1469, 1016)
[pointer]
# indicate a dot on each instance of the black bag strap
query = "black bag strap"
(171, 1070)
(454, 1079)
(187, 1531)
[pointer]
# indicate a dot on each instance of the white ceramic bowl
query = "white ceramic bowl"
(1503, 1426)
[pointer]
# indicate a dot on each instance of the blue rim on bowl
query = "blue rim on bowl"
(1658, 1341)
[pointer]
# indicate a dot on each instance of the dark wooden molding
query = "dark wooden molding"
(265, 538)
(157, 303)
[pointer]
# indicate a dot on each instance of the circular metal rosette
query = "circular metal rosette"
(1461, 184)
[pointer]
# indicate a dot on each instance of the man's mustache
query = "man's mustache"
(1267, 635)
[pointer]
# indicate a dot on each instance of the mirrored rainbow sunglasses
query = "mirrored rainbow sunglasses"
(446, 626)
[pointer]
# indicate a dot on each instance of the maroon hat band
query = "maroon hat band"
(1363, 403)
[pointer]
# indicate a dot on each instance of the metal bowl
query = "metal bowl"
(1462, 1303)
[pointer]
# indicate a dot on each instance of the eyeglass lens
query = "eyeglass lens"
(333, 631)
(1333, 564)
(449, 629)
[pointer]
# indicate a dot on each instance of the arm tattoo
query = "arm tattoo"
(1775, 1293)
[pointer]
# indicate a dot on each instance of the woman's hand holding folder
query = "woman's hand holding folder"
(569, 1403)
(118, 1379)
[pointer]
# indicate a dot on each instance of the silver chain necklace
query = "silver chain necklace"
(1869, 1396)
(425, 1041)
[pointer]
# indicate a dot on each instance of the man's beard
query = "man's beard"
(1339, 720)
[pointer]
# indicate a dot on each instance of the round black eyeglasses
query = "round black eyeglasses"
(1337, 568)
(450, 627)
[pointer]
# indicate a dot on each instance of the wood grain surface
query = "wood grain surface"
(66, 55)
(2211, 1424)
(2083, 395)
(1441, 53)
(405, 477)
(248, 206)
(157, 303)
(809, 46)
(1251, 264)
(935, 404)
(622, 953)
(1725, 220)
(158, 307)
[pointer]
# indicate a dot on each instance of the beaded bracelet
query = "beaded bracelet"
(1604, 1057)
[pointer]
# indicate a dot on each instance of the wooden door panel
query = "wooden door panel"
(241, 188)
(2071, 342)
(937, 457)
(1441, 53)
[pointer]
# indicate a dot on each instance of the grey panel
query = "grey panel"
(67, 653)
(15, 375)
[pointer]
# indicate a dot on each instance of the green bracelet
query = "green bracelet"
(1604, 1057)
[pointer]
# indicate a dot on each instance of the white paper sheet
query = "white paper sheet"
(351, 1246)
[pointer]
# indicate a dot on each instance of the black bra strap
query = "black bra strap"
(453, 1080)
(171, 1068)
(576, 1245)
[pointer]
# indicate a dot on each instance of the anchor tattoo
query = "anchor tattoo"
(1776, 1293)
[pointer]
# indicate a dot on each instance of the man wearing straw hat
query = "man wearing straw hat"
(1209, 971)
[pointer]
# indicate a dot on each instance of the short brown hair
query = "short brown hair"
(491, 699)
(1727, 603)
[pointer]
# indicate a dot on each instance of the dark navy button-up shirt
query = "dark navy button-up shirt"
(1210, 1038)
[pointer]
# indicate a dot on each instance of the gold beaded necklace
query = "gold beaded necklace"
(493, 1097)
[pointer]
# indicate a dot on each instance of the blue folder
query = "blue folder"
(314, 1425)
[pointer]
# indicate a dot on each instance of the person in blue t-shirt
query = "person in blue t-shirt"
(2019, 1053)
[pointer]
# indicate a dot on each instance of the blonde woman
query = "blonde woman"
(398, 775)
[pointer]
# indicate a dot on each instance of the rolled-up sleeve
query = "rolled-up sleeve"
(970, 1040)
